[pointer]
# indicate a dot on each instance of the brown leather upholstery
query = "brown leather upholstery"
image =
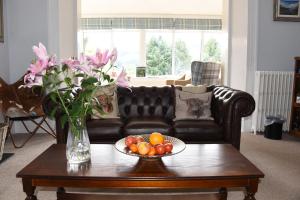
(198, 131)
(146, 102)
(147, 125)
(110, 129)
(147, 109)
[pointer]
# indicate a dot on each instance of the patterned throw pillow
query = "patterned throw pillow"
(107, 98)
(193, 105)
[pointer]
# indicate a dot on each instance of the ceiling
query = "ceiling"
(97, 8)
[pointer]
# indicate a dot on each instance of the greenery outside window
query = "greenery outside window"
(161, 47)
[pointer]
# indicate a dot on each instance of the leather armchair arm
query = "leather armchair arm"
(228, 108)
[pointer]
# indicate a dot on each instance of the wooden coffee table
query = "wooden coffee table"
(199, 166)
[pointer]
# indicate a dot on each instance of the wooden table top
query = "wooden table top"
(197, 161)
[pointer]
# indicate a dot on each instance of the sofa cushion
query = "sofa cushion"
(104, 130)
(197, 130)
(107, 98)
(146, 125)
(146, 102)
(193, 105)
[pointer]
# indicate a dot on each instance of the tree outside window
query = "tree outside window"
(183, 58)
(159, 57)
(211, 51)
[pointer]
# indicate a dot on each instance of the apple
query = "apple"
(129, 140)
(143, 148)
(166, 141)
(139, 139)
(160, 149)
(168, 147)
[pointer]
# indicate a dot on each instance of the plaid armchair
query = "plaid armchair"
(206, 73)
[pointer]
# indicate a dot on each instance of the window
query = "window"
(158, 52)
(165, 46)
(127, 43)
(187, 48)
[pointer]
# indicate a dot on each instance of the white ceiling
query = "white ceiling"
(96, 8)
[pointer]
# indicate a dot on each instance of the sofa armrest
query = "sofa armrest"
(228, 108)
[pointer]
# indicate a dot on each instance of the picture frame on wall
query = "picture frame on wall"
(286, 10)
(1, 22)
(140, 71)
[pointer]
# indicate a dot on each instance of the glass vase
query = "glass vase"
(78, 143)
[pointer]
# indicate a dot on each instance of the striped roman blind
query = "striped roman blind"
(150, 23)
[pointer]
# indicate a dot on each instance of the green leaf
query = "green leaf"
(53, 112)
(89, 81)
(53, 97)
(64, 67)
(68, 80)
(63, 120)
(79, 75)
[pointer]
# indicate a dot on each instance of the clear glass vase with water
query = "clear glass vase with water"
(78, 143)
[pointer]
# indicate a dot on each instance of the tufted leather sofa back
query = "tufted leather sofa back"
(146, 102)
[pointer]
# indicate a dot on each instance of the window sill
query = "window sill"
(149, 81)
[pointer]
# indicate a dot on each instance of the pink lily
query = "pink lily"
(37, 68)
(82, 58)
(33, 80)
(113, 56)
(122, 79)
(41, 52)
(113, 74)
(52, 61)
(72, 63)
(99, 60)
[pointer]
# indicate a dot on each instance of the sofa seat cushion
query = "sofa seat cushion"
(104, 130)
(197, 130)
(147, 125)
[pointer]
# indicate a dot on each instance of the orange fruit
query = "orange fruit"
(156, 138)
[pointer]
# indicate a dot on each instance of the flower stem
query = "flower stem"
(68, 114)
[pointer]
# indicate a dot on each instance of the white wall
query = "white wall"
(278, 42)
(238, 33)
(27, 25)
(4, 60)
(67, 28)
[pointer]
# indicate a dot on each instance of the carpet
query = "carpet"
(6, 156)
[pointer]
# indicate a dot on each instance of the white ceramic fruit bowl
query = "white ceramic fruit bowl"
(178, 146)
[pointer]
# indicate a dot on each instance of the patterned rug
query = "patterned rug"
(6, 156)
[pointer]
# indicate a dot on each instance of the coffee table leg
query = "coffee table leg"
(29, 189)
(60, 192)
(223, 193)
(251, 189)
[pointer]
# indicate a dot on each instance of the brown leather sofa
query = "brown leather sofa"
(147, 109)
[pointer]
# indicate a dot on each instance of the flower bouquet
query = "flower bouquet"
(71, 85)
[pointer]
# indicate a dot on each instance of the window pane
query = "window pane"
(127, 43)
(96, 39)
(213, 44)
(187, 49)
(159, 52)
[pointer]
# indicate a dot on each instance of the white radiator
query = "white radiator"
(273, 96)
